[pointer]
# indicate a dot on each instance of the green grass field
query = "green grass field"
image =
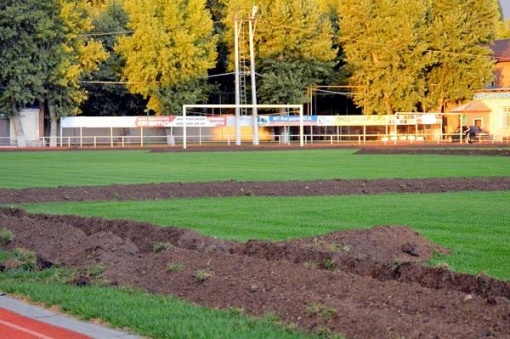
(153, 316)
(79, 168)
(473, 225)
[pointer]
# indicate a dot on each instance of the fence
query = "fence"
(204, 139)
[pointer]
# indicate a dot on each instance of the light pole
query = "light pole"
(238, 99)
(252, 76)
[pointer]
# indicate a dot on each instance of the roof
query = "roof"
(501, 50)
(475, 106)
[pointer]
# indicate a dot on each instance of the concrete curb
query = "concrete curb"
(64, 321)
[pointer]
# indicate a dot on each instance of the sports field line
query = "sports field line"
(16, 326)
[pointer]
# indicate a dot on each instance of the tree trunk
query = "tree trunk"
(18, 127)
(53, 124)
(388, 106)
(42, 128)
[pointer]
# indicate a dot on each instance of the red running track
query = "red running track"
(15, 326)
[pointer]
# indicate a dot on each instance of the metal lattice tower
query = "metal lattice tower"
(243, 69)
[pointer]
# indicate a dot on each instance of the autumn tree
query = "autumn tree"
(503, 29)
(107, 95)
(385, 51)
(293, 46)
(419, 55)
(171, 48)
(459, 38)
(77, 55)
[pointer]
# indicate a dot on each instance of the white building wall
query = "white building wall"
(497, 102)
(30, 121)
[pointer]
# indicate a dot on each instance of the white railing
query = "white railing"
(121, 141)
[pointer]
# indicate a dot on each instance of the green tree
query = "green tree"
(77, 55)
(286, 81)
(293, 47)
(26, 57)
(222, 82)
(107, 96)
(44, 56)
(385, 52)
(172, 44)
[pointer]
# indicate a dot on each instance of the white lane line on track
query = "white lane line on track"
(22, 329)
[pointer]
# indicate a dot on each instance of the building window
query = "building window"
(506, 116)
(478, 122)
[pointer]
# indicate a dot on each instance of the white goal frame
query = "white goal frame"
(255, 117)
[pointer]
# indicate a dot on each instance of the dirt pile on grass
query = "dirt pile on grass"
(237, 188)
(435, 150)
(363, 284)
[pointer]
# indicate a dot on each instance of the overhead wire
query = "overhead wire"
(107, 33)
(278, 25)
(108, 82)
(308, 31)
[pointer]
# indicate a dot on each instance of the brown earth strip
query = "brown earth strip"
(236, 188)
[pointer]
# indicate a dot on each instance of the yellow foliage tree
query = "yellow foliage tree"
(77, 56)
(292, 42)
(417, 55)
(172, 43)
(503, 30)
(296, 29)
(81, 55)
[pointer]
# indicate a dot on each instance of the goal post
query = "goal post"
(255, 119)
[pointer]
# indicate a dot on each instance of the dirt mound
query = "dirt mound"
(237, 188)
(435, 150)
(360, 283)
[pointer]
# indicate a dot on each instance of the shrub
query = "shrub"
(329, 264)
(162, 246)
(321, 310)
(6, 236)
(27, 260)
(174, 267)
(202, 275)
(94, 271)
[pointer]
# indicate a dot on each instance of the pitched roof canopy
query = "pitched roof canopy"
(475, 106)
(501, 50)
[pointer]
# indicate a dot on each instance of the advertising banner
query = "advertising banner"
(286, 120)
(354, 120)
(142, 121)
(416, 119)
(378, 120)
(179, 121)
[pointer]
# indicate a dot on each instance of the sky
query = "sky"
(506, 8)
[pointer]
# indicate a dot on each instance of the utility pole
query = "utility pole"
(238, 98)
(252, 23)
(238, 25)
